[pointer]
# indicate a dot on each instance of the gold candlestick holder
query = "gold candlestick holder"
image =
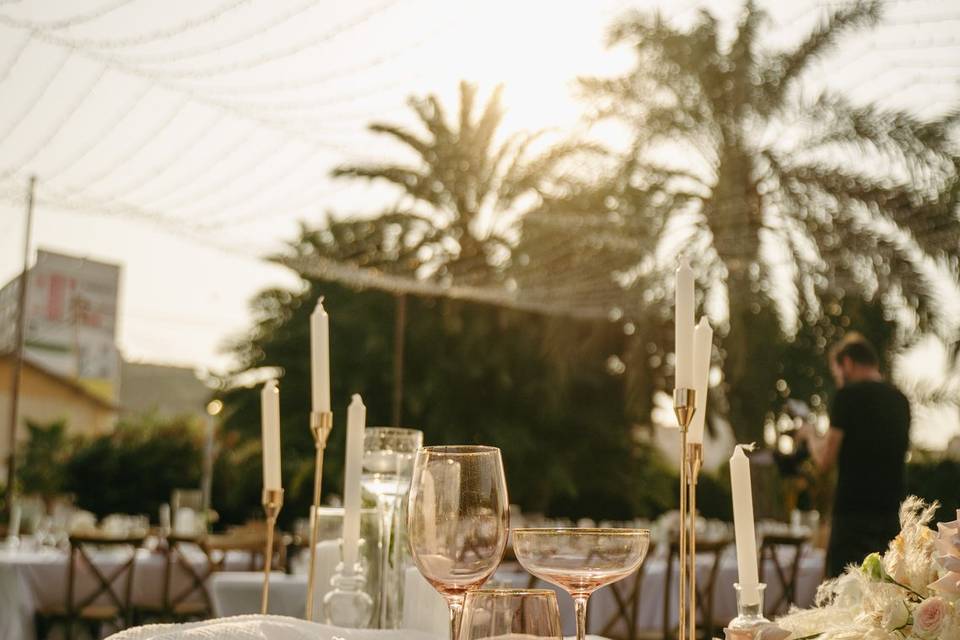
(272, 502)
(694, 460)
(321, 423)
(684, 406)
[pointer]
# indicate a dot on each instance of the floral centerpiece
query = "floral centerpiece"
(910, 592)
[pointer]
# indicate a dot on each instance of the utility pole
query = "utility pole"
(399, 326)
(18, 351)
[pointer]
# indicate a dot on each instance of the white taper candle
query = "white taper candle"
(270, 425)
(356, 422)
(744, 528)
(320, 358)
(702, 347)
(683, 345)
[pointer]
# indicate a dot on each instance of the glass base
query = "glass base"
(348, 605)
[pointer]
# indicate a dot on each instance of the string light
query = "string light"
(73, 21)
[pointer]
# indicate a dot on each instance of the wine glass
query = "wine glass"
(387, 467)
(510, 613)
(581, 560)
(458, 520)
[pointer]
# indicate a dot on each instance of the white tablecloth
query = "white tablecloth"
(235, 593)
(37, 580)
(425, 609)
(257, 627)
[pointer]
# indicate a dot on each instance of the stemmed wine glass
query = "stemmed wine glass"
(458, 520)
(511, 613)
(581, 561)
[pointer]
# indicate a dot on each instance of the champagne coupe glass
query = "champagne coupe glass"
(510, 613)
(458, 520)
(387, 467)
(581, 560)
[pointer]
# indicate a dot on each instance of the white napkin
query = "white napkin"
(256, 627)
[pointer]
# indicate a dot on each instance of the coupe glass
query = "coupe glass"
(387, 467)
(458, 520)
(510, 613)
(581, 560)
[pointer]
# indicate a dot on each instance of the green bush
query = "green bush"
(936, 479)
(135, 468)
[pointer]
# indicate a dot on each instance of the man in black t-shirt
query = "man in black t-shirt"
(867, 441)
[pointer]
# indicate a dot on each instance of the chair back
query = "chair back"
(184, 579)
(786, 570)
(112, 575)
(712, 550)
(626, 595)
(249, 541)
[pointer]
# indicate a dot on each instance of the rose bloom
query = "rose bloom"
(895, 615)
(930, 617)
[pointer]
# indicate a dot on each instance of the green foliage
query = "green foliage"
(135, 468)
(936, 479)
(41, 468)
(475, 374)
(818, 199)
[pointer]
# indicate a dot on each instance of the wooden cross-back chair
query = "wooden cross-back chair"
(713, 550)
(109, 602)
(626, 595)
(787, 573)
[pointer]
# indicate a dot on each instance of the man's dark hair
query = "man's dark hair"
(858, 349)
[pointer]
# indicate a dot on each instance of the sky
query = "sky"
(185, 140)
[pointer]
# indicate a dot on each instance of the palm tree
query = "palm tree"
(784, 203)
(467, 191)
(456, 220)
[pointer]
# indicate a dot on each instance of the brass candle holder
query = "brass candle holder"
(272, 502)
(684, 406)
(694, 460)
(321, 423)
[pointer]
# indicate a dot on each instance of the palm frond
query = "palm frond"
(783, 69)
(422, 147)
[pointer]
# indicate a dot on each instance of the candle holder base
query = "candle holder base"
(684, 407)
(272, 503)
(321, 424)
(750, 624)
(348, 605)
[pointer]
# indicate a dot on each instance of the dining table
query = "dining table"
(34, 578)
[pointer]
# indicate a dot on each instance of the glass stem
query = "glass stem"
(386, 508)
(456, 612)
(580, 603)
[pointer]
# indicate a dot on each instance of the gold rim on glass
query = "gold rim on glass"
(460, 449)
(583, 530)
(512, 592)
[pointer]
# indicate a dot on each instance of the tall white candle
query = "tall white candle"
(356, 421)
(744, 529)
(270, 424)
(320, 358)
(702, 346)
(683, 346)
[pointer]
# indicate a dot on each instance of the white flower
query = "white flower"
(930, 617)
(880, 634)
(895, 615)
